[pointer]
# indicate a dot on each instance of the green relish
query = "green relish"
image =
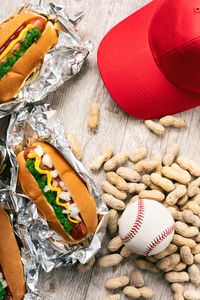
(50, 195)
(31, 37)
(2, 291)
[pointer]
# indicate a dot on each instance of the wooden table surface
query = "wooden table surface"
(117, 129)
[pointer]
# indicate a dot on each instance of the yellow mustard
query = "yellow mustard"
(49, 178)
(14, 42)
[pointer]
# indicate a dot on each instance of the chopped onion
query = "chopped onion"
(74, 211)
(38, 150)
(55, 183)
(54, 173)
(4, 283)
(62, 184)
(66, 211)
(65, 196)
(47, 161)
(46, 189)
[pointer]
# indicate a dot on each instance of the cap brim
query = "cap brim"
(131, 75)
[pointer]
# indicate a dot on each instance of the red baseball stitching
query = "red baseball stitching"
(159, 239)
(137, 224)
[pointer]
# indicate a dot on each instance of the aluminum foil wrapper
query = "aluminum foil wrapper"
(60, 64)
(26, 127)
(30, 262)
(4, 165)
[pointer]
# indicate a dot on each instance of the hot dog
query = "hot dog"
(12, 280)
(59, 193)
(24, 40)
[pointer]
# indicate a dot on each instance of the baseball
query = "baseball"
(146, 227)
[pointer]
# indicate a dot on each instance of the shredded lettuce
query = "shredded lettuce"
(2, 291)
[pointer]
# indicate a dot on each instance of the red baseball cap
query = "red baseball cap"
(150, 62)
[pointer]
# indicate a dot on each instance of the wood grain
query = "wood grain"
(116, 128)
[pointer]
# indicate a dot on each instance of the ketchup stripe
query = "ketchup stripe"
(159, 239)
(137, 225)
(13, 37)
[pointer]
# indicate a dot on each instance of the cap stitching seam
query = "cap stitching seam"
(178, 48)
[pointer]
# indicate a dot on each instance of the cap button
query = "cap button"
(197, 9)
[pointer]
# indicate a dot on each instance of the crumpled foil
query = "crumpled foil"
(5, 166)
(26, 127)
(60, 64)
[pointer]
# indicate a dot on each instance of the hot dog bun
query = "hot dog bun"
(10, 259)
(14, 80)
(78, 190)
